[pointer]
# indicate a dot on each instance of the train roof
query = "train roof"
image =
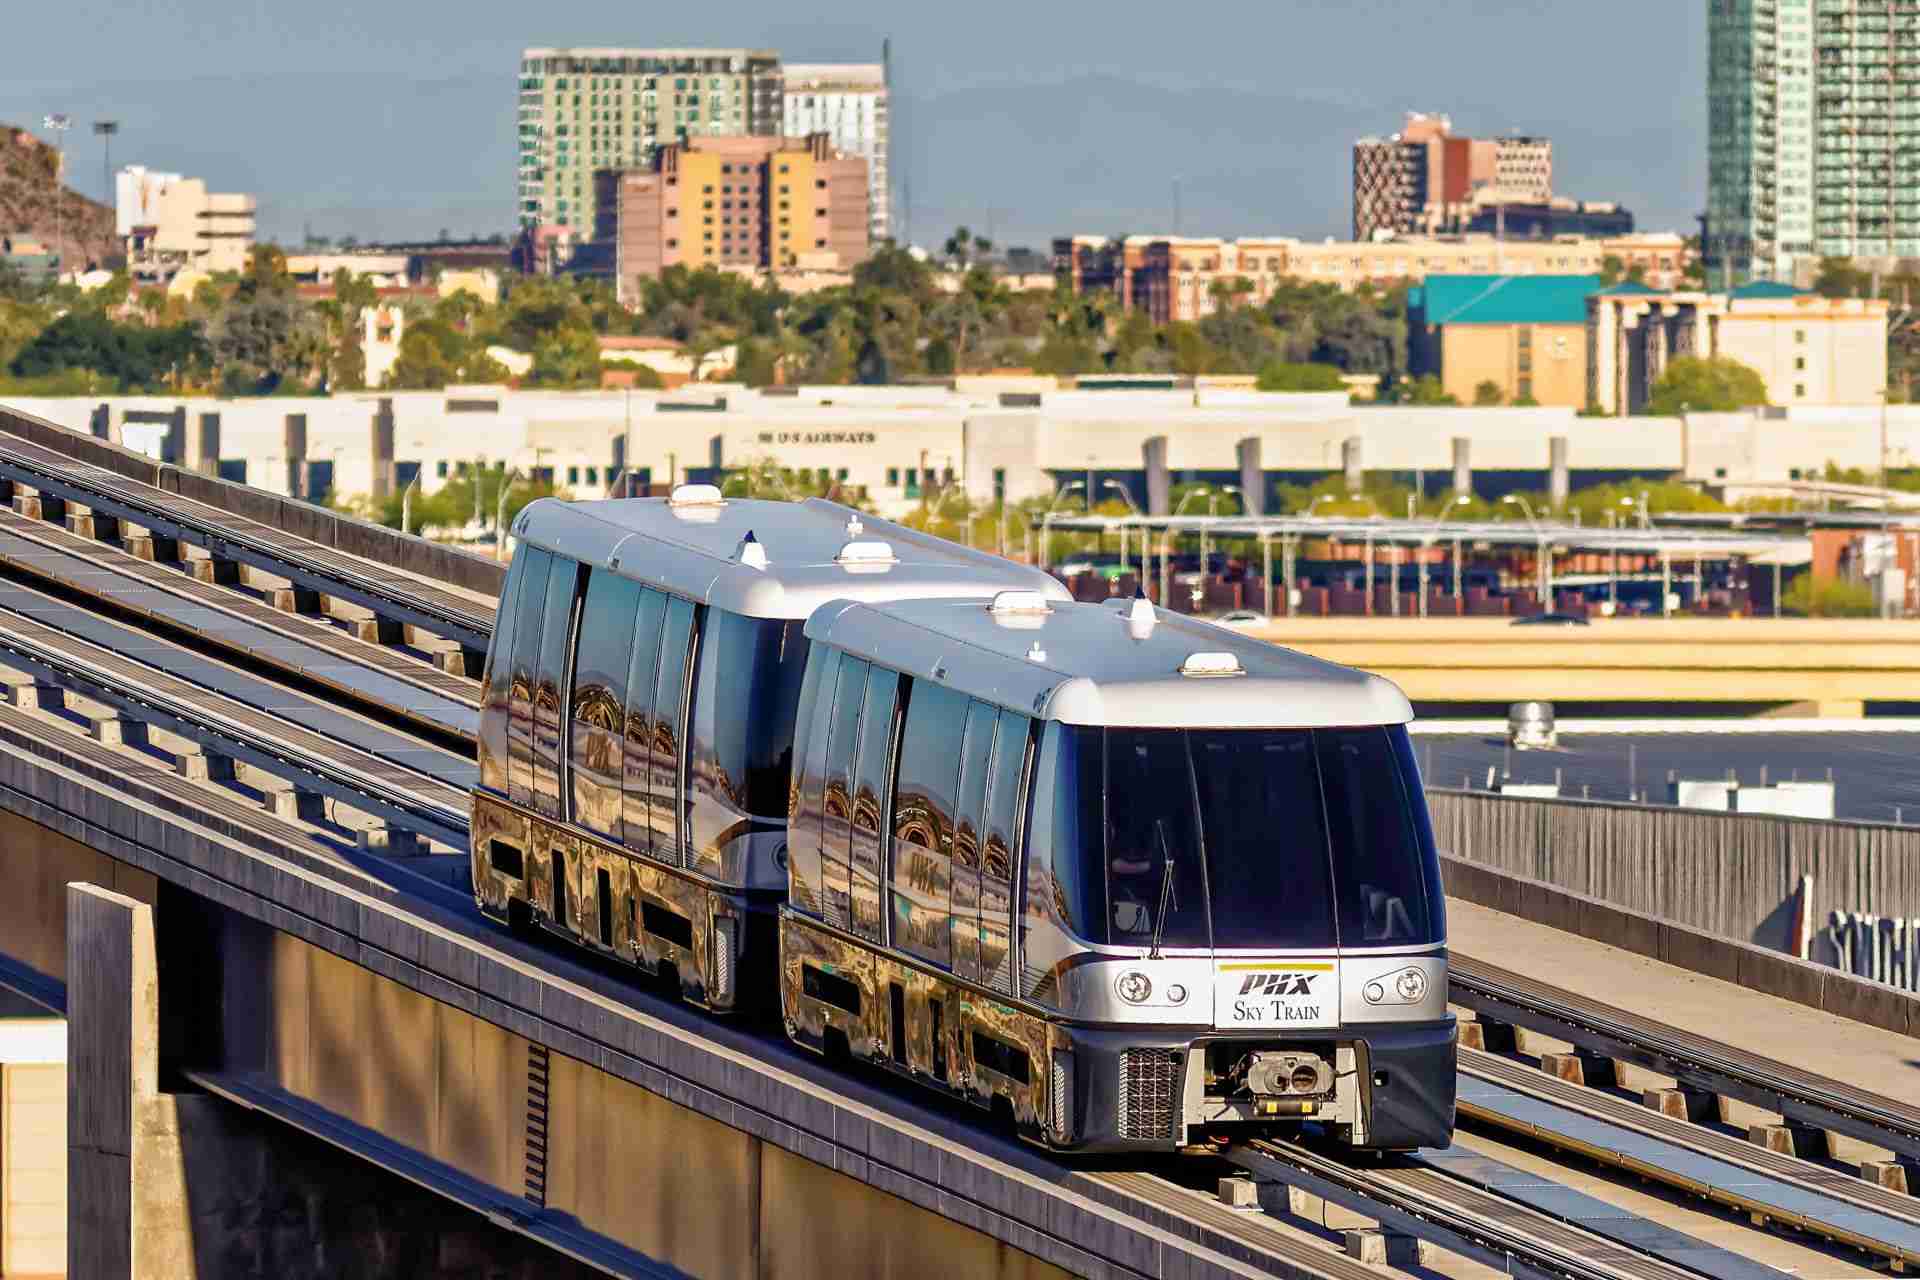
(802, 554)
(1125, 663)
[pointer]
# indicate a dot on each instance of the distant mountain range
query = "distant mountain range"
(382, 156)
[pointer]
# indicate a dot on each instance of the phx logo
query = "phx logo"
(1278, 984)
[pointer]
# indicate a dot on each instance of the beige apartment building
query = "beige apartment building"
(170, 223)
(745, 204)
(1808, 349)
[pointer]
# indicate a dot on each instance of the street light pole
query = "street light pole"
(59, 123)
(104, 130)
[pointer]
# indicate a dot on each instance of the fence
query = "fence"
(1736, 875)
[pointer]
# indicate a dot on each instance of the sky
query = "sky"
(395, 119)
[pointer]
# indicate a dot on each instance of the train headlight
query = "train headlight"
(1134, 987)
(1374, 993)
(1411, 985)
(1176, 994)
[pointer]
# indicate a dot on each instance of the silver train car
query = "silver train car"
(636, 730)
(1136, 880)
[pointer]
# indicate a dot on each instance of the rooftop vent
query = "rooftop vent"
(1020, 602)
(1208, 665)
(695, 495)
(866, 554)
(1140, 616)
(750, 553)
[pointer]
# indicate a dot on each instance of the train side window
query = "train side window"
(526, 657)
(803, 813)
(1064, 884)
(836, 821)
(549, 720)
(872, 773)
(1000, 852)
(923, 817)
(600, 698)
(637, 756)
(498, 682)
(677, 641)
(970, 820)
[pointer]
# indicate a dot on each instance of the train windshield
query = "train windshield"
(1244, 838)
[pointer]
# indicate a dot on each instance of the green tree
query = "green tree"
(568, 357)
(1705, 384)
(1488, 394)
(1287, 376)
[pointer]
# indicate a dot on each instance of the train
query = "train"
(1130, 880)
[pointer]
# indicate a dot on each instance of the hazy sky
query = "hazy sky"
(397, 118)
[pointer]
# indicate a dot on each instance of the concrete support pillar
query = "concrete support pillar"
(1353, 464)
(1490, 1036)
(1253, 478)
(1462, 466)
(1792, 1140)
(717, 459)
(1895, 1175)
(174, 449)
(1683, 1103)
(296, 451)
(383, 472)
(206, 446)
(1559, 483)
(125, 1214)
(100, 422)
(1153, 457)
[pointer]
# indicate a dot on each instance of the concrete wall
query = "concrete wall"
(1474, 353)
(1733, 875)
(33, 1168)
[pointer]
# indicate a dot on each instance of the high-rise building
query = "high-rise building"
(1423, 178)
(1813, 133)
(742, 204)
(583, 110)
(848, 103)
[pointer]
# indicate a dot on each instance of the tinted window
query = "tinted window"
(526, 654)
(970, 820)
(1266, 838)
(1155, 863)
(872, 772)
(677, 639)
(643, 674)
(549, 724)
(1063, 903)
(999, 855)
(836, 822)
(923, 820)
(600, 666)
(746, 689)
(499, 684)
(803, 817)
(1377, 849)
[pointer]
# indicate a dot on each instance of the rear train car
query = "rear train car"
(636, 734)
(1139, 881)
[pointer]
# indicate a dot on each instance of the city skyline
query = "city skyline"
(1263, 131)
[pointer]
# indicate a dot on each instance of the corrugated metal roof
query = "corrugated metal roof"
(1508, 299)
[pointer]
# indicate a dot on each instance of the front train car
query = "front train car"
(1145, 882)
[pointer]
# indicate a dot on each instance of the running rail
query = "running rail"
(1463, 1219)
(227, 536)
(1694, 1060)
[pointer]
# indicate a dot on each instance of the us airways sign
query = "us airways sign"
(819, 437)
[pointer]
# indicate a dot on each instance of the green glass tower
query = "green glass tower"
(1813, 133)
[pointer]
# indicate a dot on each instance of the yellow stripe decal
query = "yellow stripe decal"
(1276, 964)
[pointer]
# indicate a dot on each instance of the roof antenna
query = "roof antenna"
(854, 527)
(750, 553)
(1140, 615)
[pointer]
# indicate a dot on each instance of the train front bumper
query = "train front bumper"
(1130, 1089)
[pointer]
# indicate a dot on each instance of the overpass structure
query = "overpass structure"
(234, 860)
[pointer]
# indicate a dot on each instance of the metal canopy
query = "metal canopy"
(1425, 533)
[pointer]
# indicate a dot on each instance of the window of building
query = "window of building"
(1799, 335)
(1800, 390)
(573, 475)
(893, 477)
(1799, 362)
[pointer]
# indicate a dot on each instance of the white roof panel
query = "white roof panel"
(691, 550)
(1097, 664)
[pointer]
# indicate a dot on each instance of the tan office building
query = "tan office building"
(170, 223)
(1808, 349)
(1525, 335)
(747, 204)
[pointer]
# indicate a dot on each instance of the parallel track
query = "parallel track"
(1697, 1061)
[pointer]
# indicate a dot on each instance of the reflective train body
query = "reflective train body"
(636, 730)
(1137, 881)
(1142, 882)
